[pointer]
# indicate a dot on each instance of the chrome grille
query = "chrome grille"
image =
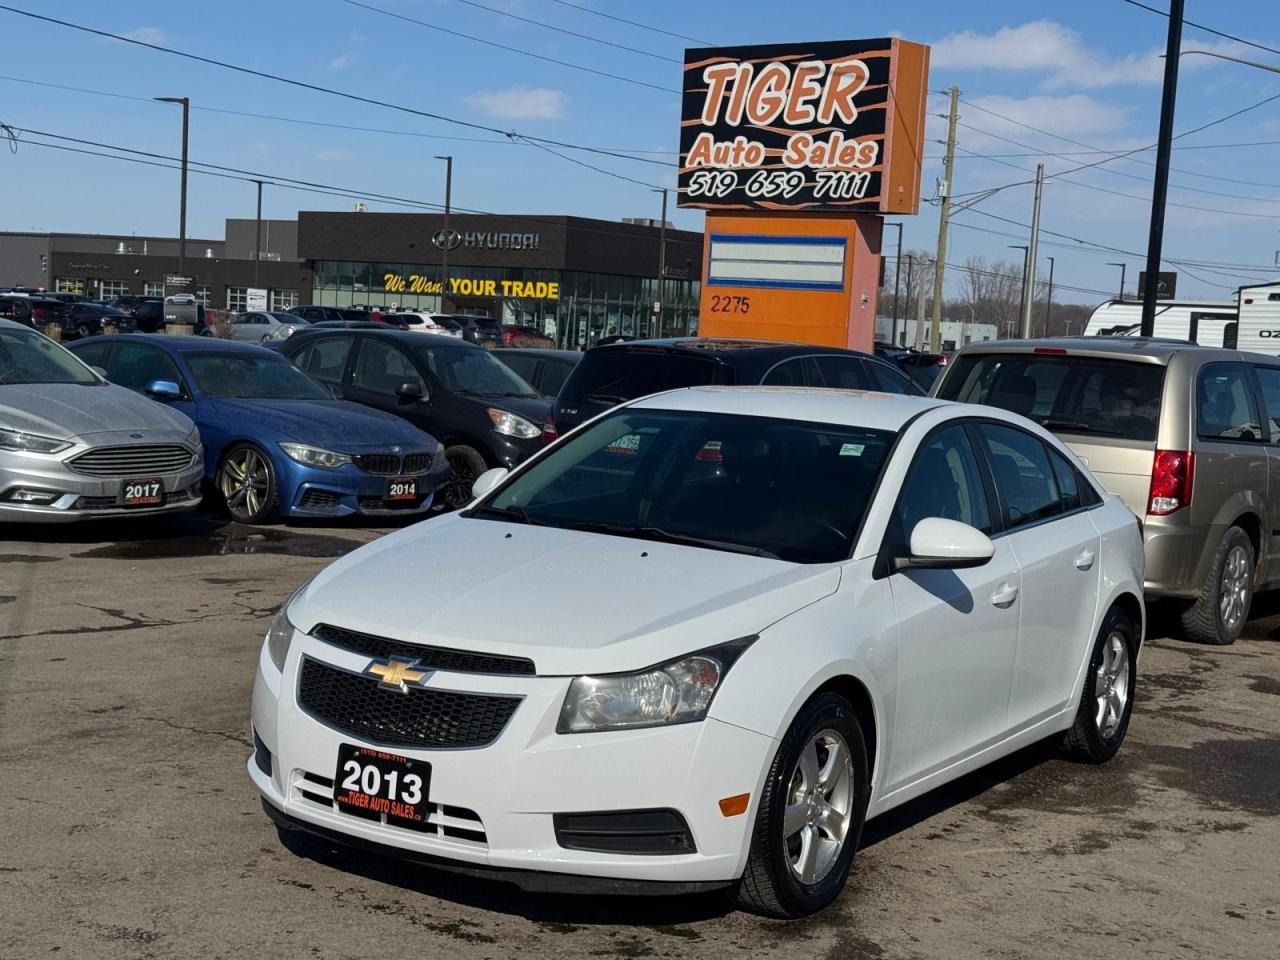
(135, 461)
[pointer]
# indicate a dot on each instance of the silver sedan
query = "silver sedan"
(263, 327)
(75, 447)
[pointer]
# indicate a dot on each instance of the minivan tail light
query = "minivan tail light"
(1172, 475)
(549, 431)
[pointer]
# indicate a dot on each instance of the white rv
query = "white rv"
(1260, 318)
(1209, 323)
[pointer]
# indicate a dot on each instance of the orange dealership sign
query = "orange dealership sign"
(836, 125)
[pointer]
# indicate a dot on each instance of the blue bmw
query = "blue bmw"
(276, 442)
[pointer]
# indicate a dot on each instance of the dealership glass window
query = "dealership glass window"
(203, 295)
(237, 299)
(114, 288)
(152, 289)
(68, 285)
(284, 299)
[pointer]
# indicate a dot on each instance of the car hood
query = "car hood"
(573, 602)
(333, 424)
(67, 410)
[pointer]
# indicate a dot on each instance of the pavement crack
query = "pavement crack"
(244, 742)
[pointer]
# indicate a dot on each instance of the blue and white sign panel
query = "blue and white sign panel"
(785, 263)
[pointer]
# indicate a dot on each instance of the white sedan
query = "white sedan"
(697, 642)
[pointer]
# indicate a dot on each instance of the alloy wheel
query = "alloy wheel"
(819, 808)
(245, 481)
(1233, 594)
(458, 493)
(1111, 685)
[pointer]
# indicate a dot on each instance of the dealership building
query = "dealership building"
(574, 278)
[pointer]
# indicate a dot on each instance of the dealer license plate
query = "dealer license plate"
(141, 493)
(402, 488)
(369, 782)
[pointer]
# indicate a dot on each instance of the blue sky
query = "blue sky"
(1088, 71)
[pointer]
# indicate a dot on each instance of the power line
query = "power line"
(1203, 28)
(571, 33)
(1089, 153)
(632, 23)
(304, 85)
(622, 153)
(510, 49)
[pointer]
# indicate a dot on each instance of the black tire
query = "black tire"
(83, 330)
(769, 886)
(467, 463)
(1204, 621)
(259, 506)
(1091, 738)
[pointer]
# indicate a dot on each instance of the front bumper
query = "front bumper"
(348, 490)
(493, 806)
(82, 497)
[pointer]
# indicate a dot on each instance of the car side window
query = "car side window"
(890, 380)
(554, 375)
(1269, 382)
(328, 358)
(1225, 408)
(137, 366)
(524, 365)
(93, 353)
(796, 372)
(1025, 484)
(1068, 480)
(944, 481)
(844, 373)
(382, 367)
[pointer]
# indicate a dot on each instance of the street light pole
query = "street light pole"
(1048, 305)
(1122, 267)
(897, 278)
(1164, 151)
(182, 204)
(662, 263)
(257, 236)
(448, 236)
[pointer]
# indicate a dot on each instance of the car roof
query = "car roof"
(546, 352)
(1157, 349)
(387, 333)
(727, 349)
(181, 344)
(861, 408)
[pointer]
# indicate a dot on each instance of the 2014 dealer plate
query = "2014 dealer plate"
(402, 488)
(370, 782)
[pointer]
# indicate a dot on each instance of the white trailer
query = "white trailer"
(1210, 323)
(1260, 318)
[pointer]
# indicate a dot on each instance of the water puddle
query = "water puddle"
(231, 540)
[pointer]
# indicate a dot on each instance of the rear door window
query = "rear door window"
(328, 358)
(1225, 408)
(1269, 382)
(843, 373)
(891, 380)
(1067, 394)
(796, 372)
(1025, 484)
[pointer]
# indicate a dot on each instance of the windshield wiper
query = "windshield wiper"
(1076, 426)
(604, 398)
(667, 536)
(513, 513)
(510, 393)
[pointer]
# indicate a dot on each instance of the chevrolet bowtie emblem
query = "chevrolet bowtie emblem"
(396, 674)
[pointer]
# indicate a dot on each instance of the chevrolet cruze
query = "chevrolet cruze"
(701, 639)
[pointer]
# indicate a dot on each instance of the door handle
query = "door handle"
(1005, 594)
(1084, 560)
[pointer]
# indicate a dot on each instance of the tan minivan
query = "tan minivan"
(1188, 436)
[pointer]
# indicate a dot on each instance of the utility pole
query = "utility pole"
(662, 265)
(257, 236)
(448, 236)
(1048, 304)
(1029, 277)
(1022, 288)
(1164, 149)
(944, 220)
(182, 208)
(1122, 267)
(897, 278)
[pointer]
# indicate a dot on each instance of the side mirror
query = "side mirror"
(940, 544)
(487, 481)
(411, 390)
(164, 390)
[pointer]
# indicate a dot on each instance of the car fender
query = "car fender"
(1123, 567)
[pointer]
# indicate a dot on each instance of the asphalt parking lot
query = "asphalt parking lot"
(129, 828)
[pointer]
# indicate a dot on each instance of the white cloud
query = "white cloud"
(332, 155)
(520, 103)
(343, 60)
(1077, 115)
(1047, 47)
(147, 35)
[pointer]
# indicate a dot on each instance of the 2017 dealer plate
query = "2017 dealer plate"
(141, 493)
(369, 782)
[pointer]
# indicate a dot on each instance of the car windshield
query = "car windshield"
(781, 489)
(472, 371)
(30, 357)
(254, 376)
(1066, 394)
(285, 318)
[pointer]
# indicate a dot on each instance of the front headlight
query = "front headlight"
(510, 425)
(281, 633)
(30, 442)
(314, 456)
(680, 691)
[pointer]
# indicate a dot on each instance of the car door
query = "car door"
(1268, 378)
(378, 370)
(1056, 546)
(957, 629)
(137, 365)
(325, 359)
(243, 326)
